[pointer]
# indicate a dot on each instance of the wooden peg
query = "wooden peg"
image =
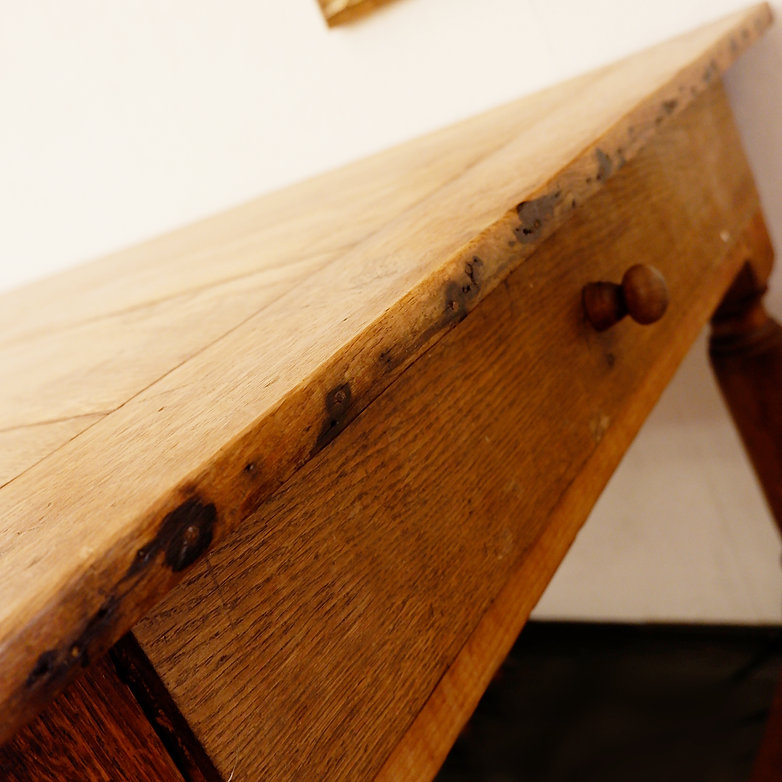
(643, 294)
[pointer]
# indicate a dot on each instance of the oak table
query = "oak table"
(322, 453)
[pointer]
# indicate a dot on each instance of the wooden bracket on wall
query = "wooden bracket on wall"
(340, 11)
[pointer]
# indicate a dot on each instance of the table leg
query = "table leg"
(746, 355)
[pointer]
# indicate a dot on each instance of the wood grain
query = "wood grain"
(93, 731)
(134, 670)
(219, 360)
(338, 622)
(23, 446)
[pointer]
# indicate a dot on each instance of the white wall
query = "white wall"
(124, 118)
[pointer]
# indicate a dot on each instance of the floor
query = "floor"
(604, 702)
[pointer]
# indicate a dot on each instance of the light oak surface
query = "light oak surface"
(358, 616)
(160, 396)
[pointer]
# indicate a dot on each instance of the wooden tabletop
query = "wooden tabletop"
(153, 399)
